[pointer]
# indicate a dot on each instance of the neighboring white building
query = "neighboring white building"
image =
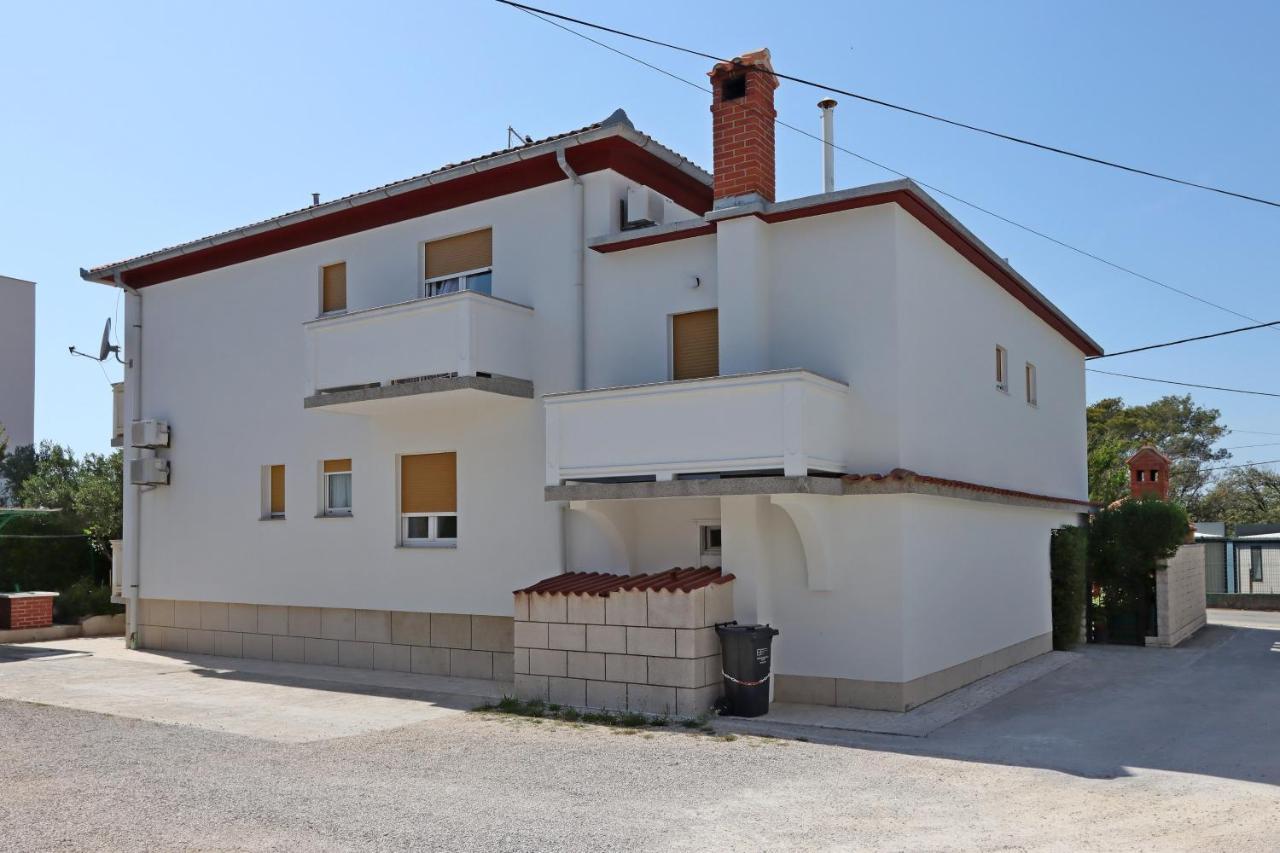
(391, 410)
(17, 360)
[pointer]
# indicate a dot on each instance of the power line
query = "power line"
(1246, 446)
(1185, 340)
(879, 165)
(911, 111)
(1184, 384)
(1254, 431)
(1243, 465)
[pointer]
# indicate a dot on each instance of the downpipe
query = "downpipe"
(132, 521)
(581, 285)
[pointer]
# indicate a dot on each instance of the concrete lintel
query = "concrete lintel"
(504, 385)
(913, 486)
(695, 488)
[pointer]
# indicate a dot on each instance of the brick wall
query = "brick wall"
(652, 651)
(457, 644)
(26, 610)
(742, 129)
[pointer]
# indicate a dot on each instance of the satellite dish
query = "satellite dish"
(104, 349)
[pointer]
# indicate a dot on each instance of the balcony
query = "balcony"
(788, 422)
(467, 341)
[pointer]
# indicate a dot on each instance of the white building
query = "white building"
(391, 410)
(17, 360)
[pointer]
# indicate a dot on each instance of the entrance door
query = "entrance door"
(695, 344)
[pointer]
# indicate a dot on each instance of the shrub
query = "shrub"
(1125, 544)
(83, 598)
(1068, 552)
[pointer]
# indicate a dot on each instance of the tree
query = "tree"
(1181, 430)
(15, 467)
(88, 490)
(1243, 496)
(53, 482)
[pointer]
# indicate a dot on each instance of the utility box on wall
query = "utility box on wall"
(149, 472)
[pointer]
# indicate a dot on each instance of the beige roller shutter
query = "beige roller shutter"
(429, 482)
(695, 344)
(277, 489)
(457, 254)
(337, 466)
(334, 288)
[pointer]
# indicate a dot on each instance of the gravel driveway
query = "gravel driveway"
(1041, 768)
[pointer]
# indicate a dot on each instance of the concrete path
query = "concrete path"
(261, 699)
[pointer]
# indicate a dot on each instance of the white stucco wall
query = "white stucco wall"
(17, 359)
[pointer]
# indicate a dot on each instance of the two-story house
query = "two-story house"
(387, 412)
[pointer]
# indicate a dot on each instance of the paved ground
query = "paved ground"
(1120, 749)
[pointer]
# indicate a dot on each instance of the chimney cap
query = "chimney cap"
(827, 103)
(751, 60)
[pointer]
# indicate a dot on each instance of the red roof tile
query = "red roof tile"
(602, 583)
(905, 475)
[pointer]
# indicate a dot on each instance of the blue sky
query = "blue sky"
(132, 126)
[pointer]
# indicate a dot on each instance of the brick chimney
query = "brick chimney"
(1149, 473)
(742, 117)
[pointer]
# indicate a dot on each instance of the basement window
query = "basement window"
(733, 88)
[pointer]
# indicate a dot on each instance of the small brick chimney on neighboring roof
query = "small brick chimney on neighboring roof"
(1149, 473)
(742, 117)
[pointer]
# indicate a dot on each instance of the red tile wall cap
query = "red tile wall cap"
(757, 59)
(602, 583)
(906, 475)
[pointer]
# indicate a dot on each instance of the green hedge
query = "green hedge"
(47, 552)
(1068, 553)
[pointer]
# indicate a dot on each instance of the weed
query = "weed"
(633, 719)
(728, 738)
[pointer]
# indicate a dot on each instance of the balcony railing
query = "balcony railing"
(418, 343)
(790, 421)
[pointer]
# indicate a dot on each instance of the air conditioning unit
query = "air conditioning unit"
(642, 207)
(149, 472)
(149, 433)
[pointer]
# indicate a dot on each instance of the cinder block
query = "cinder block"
(242, 618)
(288, 649)
(567, 691)
(429, 661)
(521, 606)
(676, 672)
(697, 643)
(321, 651)
(607, 638)
(651, 699)
(492, 633)
(304, 622)
(355, 654)
(213, 615)
(229, 644)
(586, 665)
(503, 666)
(717, 603)
(529, 687)
(520, 661)
(567, 636)
(186, 614)
(470, 663)
(695, 701)
(157, 611)
(675, 609)
(373, 626)
(199, 641)
(547, 662)
(607, 694)
(585, 609)
(410, 629)
(256, 646)
(548, 607)
(392, 658)
(656, 642)
(451, 630)
(531, 635)
(273, 619)
(629, 607)
(712, 670)
(631, 668)
(338, 623)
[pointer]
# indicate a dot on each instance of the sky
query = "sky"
(131, 126)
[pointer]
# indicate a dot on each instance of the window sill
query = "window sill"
(271, 518)
(419, 546)
(336, 515)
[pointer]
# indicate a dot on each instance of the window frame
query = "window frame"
(433, 539)
(327, 509)
(1002, 369)
(424, 289)
(1033, 387)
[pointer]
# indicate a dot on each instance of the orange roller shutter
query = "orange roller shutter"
(429, 483)
(334, 295)
(277, 489)
(337, 466)
(461, 253)
(695, 345)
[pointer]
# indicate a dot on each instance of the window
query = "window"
(1031, 384)
(273, 491)
(1255, 564)
(695, 344)
(462, 262)
(429, 499)
(337, 486)
(1002, 369)
(709, 544)
(1141, 474)
(1155, 475)
(333, 288)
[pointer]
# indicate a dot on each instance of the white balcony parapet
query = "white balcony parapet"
(792, 420)
(423, 341)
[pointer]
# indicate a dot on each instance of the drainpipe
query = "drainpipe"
(582, 266)
(132, 503)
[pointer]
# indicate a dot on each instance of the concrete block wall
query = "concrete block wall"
(1180, 596)
(652, 651)
(456, 644)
